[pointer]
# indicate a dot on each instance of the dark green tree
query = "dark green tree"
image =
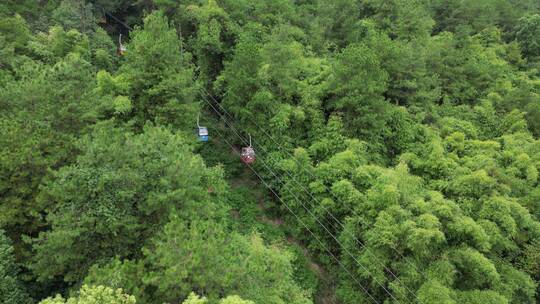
(157, 77)
(117, 194)
(527, 33)
(11, 288)
(42, 112)
(202, 255)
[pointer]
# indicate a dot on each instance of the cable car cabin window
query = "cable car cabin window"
(202, 133)
(248, 155)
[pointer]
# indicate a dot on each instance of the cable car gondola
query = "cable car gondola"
(202, 132)
(121, 48)
(248, 154)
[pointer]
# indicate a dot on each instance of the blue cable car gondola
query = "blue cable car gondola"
(202, 132)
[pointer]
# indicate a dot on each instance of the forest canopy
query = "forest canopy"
(395, 151)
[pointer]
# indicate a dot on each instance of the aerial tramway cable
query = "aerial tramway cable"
(118, 20)
(280, 148)
(302, 223)
(229, 125)
(328, 212)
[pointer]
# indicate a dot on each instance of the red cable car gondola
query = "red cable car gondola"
(248, 153)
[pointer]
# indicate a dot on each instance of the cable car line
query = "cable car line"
(362, 245)
(280, 148)
(301, 222)
(306, 208)
(119, 21)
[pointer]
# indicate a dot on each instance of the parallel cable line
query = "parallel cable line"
(311, 174)
(119, 21)
(362, 245)
(301, 222)
(229, 125)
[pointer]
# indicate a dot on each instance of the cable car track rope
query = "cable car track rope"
(119, 21)
(278, 177)
(328, 190)
(362, 245)
(299, 220)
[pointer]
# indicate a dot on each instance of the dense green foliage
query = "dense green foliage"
(11, 289)
(397, 149)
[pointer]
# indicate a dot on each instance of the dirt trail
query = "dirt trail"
(326, 292)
